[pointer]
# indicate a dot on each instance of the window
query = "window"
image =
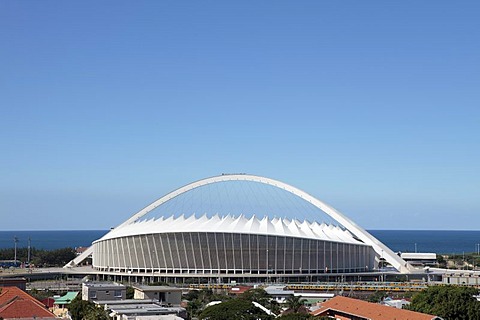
(92, 294)
(117, 293)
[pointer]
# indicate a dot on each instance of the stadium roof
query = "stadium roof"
(240, 224)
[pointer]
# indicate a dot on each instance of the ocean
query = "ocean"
(448, 242)
(50, 239)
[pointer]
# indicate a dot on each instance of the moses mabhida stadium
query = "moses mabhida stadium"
(238, 226)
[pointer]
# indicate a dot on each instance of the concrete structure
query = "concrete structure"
(164, 294)
(20, 283)
(458, 277)
(420, 258)
(215, 246)
(103, 291)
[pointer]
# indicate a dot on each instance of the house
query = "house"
(48, 302)
(353, 309)
(396, 303)
(278, 293)
(164, 294)
(60, 307)
(100, 291)
(17, 304)
(66, 299)
(80, 250)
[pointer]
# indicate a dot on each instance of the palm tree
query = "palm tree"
(295, 303)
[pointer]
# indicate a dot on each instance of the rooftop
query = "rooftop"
(140, 308)
(419, 255)
(367, 310)
(240, 224)
(104, 285)
(67, 298)
(15, 303)
(156, 288)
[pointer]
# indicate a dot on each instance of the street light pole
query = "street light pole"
(15, 240)
(29, 242)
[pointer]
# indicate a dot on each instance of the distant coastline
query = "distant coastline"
(438, 241)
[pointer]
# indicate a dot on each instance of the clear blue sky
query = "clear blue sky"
(371, 106)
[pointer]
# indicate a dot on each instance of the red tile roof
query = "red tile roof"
(367, 310)
(15, 303)
(239, 289)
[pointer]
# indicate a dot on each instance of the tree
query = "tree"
(40, 257)
(258, 295)
(239, 309)
(377, 296)
(42, 294)
(194, 307)
(205, 295)
(295, 303)
(274, 306)
(197, 299)
(442, 263)
(86, 310)
(78, 308)
(448, 302)
(130, 292)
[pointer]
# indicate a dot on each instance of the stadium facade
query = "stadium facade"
(229, 245)
(237, 246)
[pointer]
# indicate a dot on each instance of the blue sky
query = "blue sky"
(372, 107)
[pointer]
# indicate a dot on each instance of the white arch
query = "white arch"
(381, 249)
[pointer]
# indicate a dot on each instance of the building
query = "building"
(17, 304)
(61, 304)
(235, 246)
(165, 295)
(103, 291)
(463, 277)
(396, 303)
(48, 302)
(420, 258)
(280, 294)
(141, 310)
(238, 290)
(223, 245)
(66, 299)
(20, 283)
(353, 309)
